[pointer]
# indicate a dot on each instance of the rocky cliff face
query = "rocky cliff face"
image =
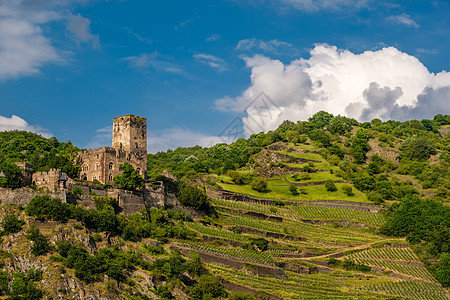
(59, 282)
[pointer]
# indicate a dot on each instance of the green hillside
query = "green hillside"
(328, 208)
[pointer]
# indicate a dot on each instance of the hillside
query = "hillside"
(328, 208)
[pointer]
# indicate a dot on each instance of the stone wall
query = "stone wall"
(129, 202)
(23, 196)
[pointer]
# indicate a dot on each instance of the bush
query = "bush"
(192, 196)
(11, 224)
(293, 190)
(208, 287)
(375, 197)
(348, 190)
(77, 190)
(130, 178)
(260, 243)
(43, 207)
(23, 286)
(259, 184)
(41, 244)
(330, 186)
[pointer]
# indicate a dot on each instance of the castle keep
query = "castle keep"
(129, 144)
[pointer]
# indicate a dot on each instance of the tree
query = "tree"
(293, 190)
(259, 184)
(330, 186)
(130, 179)
(192, 196)
(11, 224)
(417, 148)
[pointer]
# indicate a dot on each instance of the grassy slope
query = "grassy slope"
(397, 272)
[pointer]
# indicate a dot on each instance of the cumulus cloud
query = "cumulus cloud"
(179, 137)
(403, 19)
(211, 61)
(80, 30)
(23, 47)
(17, 123)
(382, 84)
(272, 46)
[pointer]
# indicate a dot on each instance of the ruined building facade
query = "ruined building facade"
(129, 144)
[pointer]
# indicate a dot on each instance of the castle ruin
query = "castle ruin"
(129, 144)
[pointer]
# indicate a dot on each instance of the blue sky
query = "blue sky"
(67, 67)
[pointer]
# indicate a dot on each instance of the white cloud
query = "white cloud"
(272, 46)
(179, 137)
(17, 123)
(23, 47)
(316, 5)
(79, 29)
(152, 60)
(403, 19)
(102, 138)
(212, 61)
(213, 37)
(386, 83)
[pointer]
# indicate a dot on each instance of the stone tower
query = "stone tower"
(130, 134)
(129, 144)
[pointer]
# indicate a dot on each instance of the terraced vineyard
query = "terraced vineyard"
(410, 289)
(303, 232)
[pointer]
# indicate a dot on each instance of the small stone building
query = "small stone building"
(26, 173)
(129, 144)
(54, 180)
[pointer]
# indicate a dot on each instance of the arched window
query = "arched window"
(110, 177)
(137, 146)
(138, 170)
(97, 166)
(111, 166)
(94, 178)
(85, 167)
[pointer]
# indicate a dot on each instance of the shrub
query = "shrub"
(207, 287)
(11, 224)
(330, 186)
(293, 190)
(192, 196)
(348, 190)
(375, 197)
(259, 184)
(130, 178)
(43, 207)
(41, 244)
(260, 243)
(77, 190)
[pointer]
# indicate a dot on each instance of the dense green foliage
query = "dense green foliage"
(259, 184)
(192, 196)
(42, 153)
(109, 261)
(23, 287)
(43, 207)
(129, 179)
(426, 223)
(11, 224)
(41, 244)
(155, 223)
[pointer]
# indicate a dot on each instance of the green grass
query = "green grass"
(277, 190)
(312, 156)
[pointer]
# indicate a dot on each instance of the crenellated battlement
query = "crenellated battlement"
(129, 144)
